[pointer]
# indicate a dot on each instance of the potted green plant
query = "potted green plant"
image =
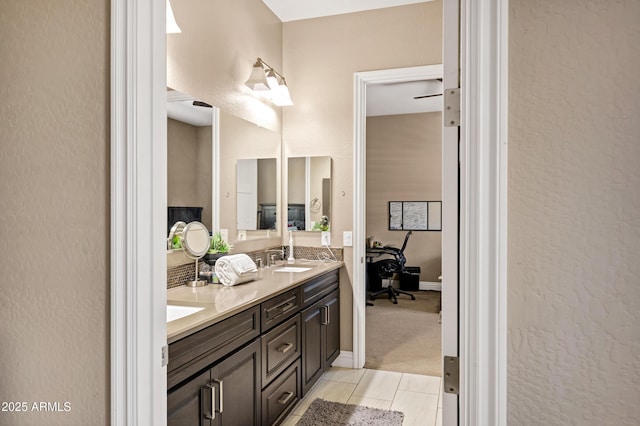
(218, 248)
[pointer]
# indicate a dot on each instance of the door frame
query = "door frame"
(138, 218)
(360, 82)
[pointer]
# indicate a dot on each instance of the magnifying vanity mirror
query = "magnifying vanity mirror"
(195, 243)
(309, 193)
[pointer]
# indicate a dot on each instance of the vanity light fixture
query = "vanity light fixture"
(269, 83)
(172, 25)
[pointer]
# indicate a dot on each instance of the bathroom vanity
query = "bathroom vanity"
(253, 350)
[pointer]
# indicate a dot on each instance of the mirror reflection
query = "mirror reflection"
(249, 179)
(189, 159)
(309, 193)
(256, 194)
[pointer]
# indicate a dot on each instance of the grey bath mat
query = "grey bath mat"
(328, 413)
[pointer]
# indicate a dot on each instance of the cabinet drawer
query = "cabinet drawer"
(280, 347)
(198, 351)
(317, 288)
(279, 308)
(279, 398)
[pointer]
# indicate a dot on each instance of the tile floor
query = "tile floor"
(418, 397)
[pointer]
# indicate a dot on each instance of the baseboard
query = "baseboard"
(433, 286)
(345, 360)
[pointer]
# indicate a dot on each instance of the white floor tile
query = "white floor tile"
(327, 390)
(291, 420)
(418, 383)
(418, 397)
(420, 409)
(347, 375)
(378, 384)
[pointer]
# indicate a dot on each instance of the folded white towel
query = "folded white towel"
(235, 269)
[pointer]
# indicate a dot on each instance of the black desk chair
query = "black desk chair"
(385, 268)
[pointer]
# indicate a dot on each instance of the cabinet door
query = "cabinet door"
(190, 403)
(312, 354)
(331, 304)
(237, 384)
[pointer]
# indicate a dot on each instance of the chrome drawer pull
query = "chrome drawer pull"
(286, 397)
(287, 306)
(285, 348)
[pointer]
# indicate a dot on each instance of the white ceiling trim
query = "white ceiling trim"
(295, 10)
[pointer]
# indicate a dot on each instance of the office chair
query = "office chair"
(387, 267)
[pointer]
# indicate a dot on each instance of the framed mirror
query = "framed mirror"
(249, 179)
(189, 160)
(309, 193)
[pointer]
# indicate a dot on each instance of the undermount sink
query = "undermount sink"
(292, 269)
(175, 312)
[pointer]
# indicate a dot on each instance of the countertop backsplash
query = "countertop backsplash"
(180, 274)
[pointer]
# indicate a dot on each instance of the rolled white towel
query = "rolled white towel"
(235, 269)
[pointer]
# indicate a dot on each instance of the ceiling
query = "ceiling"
(180, 107)
(294, 10)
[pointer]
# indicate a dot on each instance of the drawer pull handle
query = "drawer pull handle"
(287, 306)
(285, 348)
(286, 397)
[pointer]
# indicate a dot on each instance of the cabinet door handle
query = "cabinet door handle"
(220, 385)
(325, 315)
(285, 348)
(212, 414)
(328, 314)
(286, 397)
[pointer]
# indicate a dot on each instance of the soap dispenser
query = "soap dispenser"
(291, 258)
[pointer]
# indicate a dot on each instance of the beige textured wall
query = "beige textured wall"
(54, 199)
(404, 163)
(320, 57)
(574, 222)
(214, 55)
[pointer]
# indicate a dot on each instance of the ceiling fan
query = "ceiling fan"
(427, 96)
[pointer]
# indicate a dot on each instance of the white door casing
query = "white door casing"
(138, 216)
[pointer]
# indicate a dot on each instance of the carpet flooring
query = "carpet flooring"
(405, 337)
(328, 413)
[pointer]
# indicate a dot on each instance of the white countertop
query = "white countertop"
(221, 302)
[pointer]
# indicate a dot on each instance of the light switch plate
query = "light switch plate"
(347, 238)
(325, 238)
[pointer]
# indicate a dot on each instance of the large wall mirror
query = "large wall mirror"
(207, 155)
(249, 179)
(189, 160)
(309, 193)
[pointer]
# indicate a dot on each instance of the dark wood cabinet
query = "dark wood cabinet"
(254, 367)
(320, 327)
(227, 394)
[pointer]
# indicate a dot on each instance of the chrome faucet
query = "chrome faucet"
(271, 256)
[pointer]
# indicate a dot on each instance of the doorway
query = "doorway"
(404, 162)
